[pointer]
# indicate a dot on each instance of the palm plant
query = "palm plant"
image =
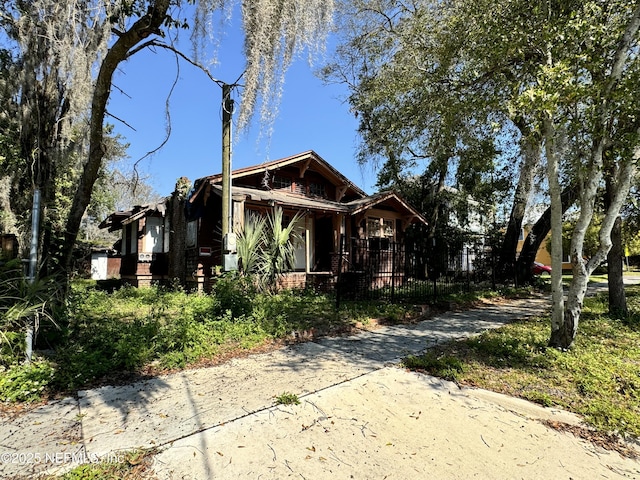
(278, 253)
(249, 243)
(266, 246)
(21, 302)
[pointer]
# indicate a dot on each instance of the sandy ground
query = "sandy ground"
(392, 424)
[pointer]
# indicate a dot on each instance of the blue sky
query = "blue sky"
(312, 116)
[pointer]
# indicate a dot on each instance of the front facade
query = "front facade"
(334, 212)
(144, 244)
(333, 208)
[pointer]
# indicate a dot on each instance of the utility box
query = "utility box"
(229, 243)
(230, 262)
(8, 246)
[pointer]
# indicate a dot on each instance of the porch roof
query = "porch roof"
(388, 197)
(318, 204)
(285, 200)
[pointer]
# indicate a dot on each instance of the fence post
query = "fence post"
(468, 271)
(393, 271)
(340, 254)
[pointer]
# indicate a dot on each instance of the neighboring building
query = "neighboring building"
(332, 207)
(144, 257)
(104, 264)
(543, 255)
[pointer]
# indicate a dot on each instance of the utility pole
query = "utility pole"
(227, 108)
(32, 325)
(229, 257)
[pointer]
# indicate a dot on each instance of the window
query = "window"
(130, 238)
(373, 227)
(154, 235)
(380, 228)
(317, 190)
(387, 228)
(192, 233)
(281, 183)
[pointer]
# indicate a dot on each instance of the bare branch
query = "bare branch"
(120, 120)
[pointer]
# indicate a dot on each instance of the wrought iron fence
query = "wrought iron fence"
(380, 269)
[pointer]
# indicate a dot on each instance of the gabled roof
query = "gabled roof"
(116, 220)
(305, 159)
(388, 197)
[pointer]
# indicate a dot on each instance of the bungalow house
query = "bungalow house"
(144, 245)
(333, 208)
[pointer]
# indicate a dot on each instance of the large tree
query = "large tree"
(561, 74)
(65, 54)
(420, 101)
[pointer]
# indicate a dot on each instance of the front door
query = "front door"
(323, 244)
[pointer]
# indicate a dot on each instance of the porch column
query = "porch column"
(337, 224)
(307, 244)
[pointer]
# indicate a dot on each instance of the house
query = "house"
(144, 245)
(333, 209)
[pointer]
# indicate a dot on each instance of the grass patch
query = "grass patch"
(444, 366)
(599, 378)
(123, 465)
(287, 398)
(110, 337)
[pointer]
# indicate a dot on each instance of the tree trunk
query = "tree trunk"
(507, 262)
(564, 335)
(591, 182)
(147, 25)
(539, 232)
(617, 298)
(559, 326)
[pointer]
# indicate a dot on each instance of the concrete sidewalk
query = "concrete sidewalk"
(360, 417)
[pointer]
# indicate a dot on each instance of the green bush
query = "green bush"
(25, 383)
(234, 293)
(130, 329)
(12, 347)
(20, 302)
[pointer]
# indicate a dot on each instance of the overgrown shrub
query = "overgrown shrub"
(131, 329)
(234, 293)
(25, 383)
(21, 302)
(12, 346)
